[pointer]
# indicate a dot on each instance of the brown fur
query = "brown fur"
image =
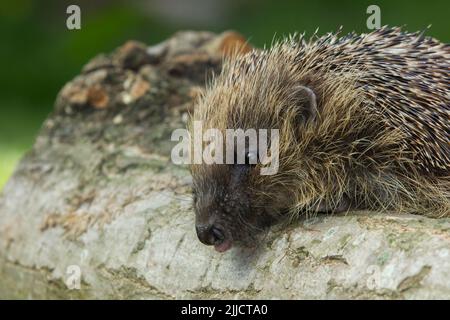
(380, 140)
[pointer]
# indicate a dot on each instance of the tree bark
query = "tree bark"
(97, 209)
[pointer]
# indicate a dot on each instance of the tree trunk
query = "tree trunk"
(97, 209)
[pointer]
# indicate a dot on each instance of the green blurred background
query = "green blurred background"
(38, 54)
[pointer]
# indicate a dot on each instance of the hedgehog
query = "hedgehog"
(364, 124)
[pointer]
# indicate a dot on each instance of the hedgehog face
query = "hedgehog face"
(227, 208)
(235, 203)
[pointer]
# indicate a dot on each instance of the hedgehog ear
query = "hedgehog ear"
(307, 103)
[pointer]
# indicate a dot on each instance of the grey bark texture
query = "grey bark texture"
(98, 200)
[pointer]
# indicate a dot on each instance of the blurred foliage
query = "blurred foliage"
(38, 54)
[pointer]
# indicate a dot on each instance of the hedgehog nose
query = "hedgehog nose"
(209, 234)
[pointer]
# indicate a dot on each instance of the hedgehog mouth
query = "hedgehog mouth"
(223, 240)
(223, 245)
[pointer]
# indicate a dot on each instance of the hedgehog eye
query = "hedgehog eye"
(251, 158)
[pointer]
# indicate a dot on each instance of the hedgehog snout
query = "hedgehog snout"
(212, 234)
(209, 234)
